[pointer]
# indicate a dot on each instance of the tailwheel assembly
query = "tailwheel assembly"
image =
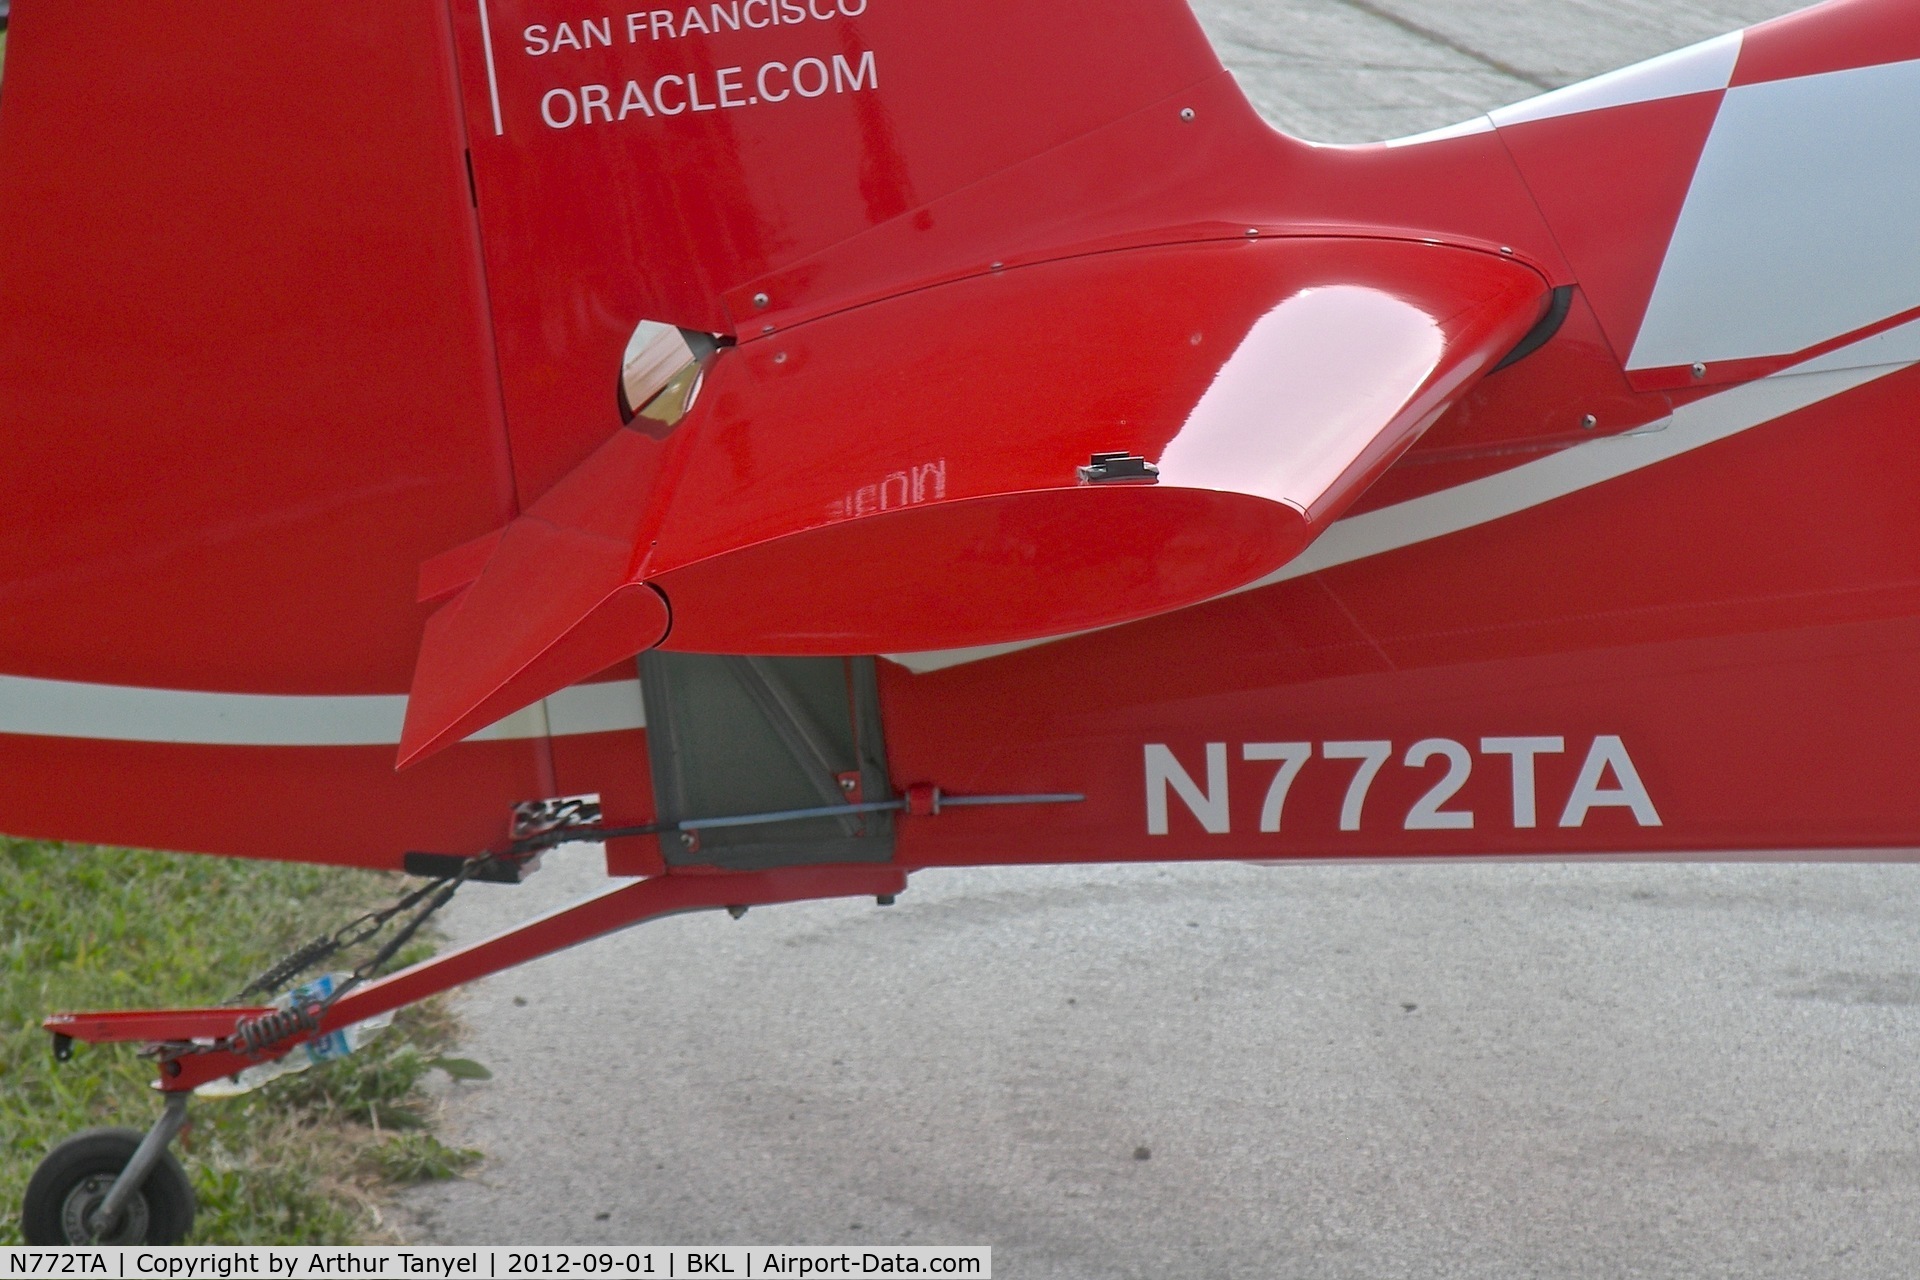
(116, 1186)
(112, 1186)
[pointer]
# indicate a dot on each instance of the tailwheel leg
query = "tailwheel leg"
(116, 1186)
(112, 1186)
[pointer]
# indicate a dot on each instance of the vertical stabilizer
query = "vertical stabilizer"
(661, 164)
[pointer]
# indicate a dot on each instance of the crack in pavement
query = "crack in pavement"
(1446, 41)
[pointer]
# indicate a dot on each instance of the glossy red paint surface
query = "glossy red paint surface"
(614, 218)
(1830, 37)
(1269, 381)
(1569, 392)
(1614, 233)
(151, 1025)
(307, 804)
(262, 358)
(948, 138)
(1758, 673)
(247, 385)
(1156, 177)
(246, 406)
(553, 608)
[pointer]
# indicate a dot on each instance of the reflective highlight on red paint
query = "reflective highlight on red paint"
(1322, 369)
(1270, 381)
(310, 391)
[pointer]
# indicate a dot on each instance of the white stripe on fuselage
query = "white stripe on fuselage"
(1800, 222)
(67, 709)
(1700, 68)
(1481, 501)
(122, 713)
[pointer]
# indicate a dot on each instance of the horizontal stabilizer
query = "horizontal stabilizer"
(1018, 455)
(554, 605)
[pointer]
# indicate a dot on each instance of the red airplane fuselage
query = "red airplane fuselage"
(297, 304)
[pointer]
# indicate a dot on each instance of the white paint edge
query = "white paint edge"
(1482, 501)
(1465, 129)
(596, 708)
(1798, 223)
(120, 713)
(1899, 345)
(1702, 68)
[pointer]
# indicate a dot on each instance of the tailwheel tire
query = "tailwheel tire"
(73, 1181)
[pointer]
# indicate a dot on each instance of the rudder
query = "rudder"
(698, 146)
(656, 165)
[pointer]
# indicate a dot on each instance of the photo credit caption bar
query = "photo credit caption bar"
(212, 1262)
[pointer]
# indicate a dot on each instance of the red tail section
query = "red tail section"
(688, 150)
(943, 237)
(1019, 321)
(926, 473)
(657, 164)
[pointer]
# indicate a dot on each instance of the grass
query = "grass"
(304, 1160)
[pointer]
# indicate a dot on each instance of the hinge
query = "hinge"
(1113, 468)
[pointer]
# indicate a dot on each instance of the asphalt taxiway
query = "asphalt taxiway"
(1226, 1071)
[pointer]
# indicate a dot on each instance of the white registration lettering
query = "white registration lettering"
(635, 99)
(659, 97)
(1523, 751)
(1371, 756)
(1427, 815)
(767, 94)
(1165, 771)
(1609, 753)
(810, 71)
(727, 15)
(1608, 778)
(595, 97)
(1293, 757)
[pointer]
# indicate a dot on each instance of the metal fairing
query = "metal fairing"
(748, 735)
(311, 391)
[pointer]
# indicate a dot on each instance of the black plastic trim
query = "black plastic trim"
(439, 866)
(1541, 334)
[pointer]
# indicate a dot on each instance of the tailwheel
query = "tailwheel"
(72, 1185)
